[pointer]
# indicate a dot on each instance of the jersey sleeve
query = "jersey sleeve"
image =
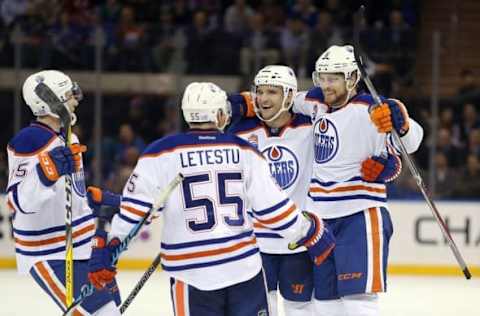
(271, 206)
(309, 103)
(143, 185)
(411, 140)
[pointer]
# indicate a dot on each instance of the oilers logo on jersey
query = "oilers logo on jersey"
(326, 140)
(283, 165)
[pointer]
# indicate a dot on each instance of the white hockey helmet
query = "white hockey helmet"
(202, 101)
(278, 76)
(337, 59)
(58, 82)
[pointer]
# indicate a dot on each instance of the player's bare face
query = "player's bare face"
(334, 88)
(269, 100)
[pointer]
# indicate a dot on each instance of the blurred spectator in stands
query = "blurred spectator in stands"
(467, 84)
(260, 46)
(162, 40)
(11, 9)
(447, 121)
(339, 13)
(108, 15)
(274, 14)
(401, 47)
(138, 118)
(126, 139)
(446, 146)
(67, 44)
(306, 11)
(181, 14)
(294, 41)
(469, 121)
(321, 37)
(474, 142)
(197, 51)
(468, 184)
(445, 177)
(131, 43)
(170, 122)
(237, 17)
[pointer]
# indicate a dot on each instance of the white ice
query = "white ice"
(407, 296)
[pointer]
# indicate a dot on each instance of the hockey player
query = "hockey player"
(286, 142)
(37, 160)
(354, 156)
(208, 245)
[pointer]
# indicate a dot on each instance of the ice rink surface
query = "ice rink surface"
(407, 296)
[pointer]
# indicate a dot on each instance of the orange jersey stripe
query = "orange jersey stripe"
(208, 253)
(278, 217)
(180, 295)
(374, 220)
(348, 188)
(133, 210)
(33, 243)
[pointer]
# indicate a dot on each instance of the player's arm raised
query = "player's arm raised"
(391, 115)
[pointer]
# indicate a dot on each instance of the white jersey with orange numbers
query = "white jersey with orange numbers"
(207, 238)
(343, 139)
(39, 210)
(289, 153)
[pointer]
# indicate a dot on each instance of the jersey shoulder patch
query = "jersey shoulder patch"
(31, 140)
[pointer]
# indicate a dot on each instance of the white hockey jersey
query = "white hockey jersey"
(343, 139)
(289, 153)
(39, 211)
(207, 238)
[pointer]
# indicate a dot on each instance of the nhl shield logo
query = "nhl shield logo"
(283, 165)
(326, 140)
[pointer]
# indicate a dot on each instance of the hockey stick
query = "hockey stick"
(57, 107)
(88, 289)
(153, 266)
(406, 157)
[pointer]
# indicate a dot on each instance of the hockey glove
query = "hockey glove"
(97, 197)
(59, 161)
(318, 239)
(391, 114)
(100, 267)
(242, 104)
(381, 169)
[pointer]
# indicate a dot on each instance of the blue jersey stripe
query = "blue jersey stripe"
(285, 226)
(51, 229)
(330, 183)
(268, 235)
(273, 208)
(135, 201)
(51, 251)
(128, 219)
(349, 197)
(205, 242)
(211, 263)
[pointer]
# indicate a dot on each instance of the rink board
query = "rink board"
(417, 246)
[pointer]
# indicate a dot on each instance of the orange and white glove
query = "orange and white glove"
(391, 114)
(59, 161)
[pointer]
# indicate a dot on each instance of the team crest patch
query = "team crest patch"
(326, 140)
(283, 165)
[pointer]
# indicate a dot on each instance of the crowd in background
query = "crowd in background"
(235, 37)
